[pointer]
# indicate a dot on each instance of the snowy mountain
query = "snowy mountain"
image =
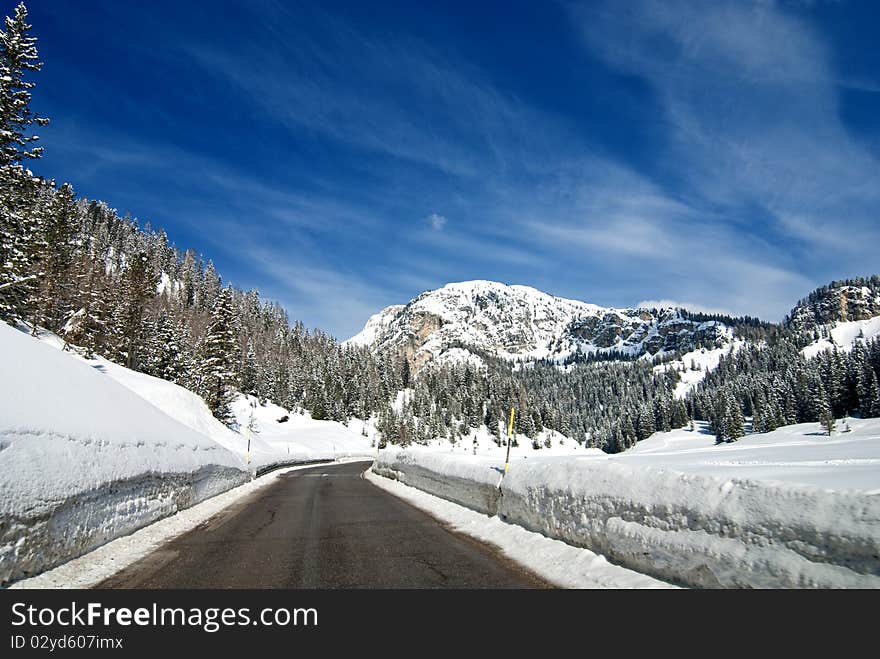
(521, 323)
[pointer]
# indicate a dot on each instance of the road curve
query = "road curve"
(323, 527)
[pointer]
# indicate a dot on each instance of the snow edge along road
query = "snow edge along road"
(693, 530)
(557, 562)
(91, 568)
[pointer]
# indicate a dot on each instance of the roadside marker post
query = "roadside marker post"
(248, 454)
(509, 437)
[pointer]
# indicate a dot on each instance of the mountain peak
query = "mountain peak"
(519, 322)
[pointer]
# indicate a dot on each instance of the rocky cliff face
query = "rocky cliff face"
(852, 299)
(522, 323)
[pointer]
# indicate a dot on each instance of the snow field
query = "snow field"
(705, 360)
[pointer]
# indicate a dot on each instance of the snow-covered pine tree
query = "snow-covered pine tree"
(819, 405)
(87, 326)
(869, 394)
(217, 357)
(762, 416)
(18, 232)
(166, 351)
(249, 371)
(55, 289)
(208, 288)
(645, 423)
(139, 287)
(678, 414)
(19, 236)
(18, 57)
(629, 432)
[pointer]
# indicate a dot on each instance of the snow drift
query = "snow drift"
(91, 450)
(84, 460)
(691, 529)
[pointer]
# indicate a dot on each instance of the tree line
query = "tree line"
(111, 287)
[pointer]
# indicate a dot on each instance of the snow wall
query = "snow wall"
(85, 460)
(692, 530)
(46, 536)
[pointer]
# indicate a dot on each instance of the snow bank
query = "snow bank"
(177, 402)
(89, 570)
(84, 460)
(692, 529)
(556, 561)
(90, 450)
(701, 531)
(471, 483)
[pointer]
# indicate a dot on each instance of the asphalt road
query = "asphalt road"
(323, 527)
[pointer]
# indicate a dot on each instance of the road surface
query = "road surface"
(323, 527)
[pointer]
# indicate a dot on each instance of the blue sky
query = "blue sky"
(341, 157)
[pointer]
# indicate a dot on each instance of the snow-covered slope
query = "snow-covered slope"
(801, 454)
(83, 459)
(300, 436)
(843, 335)
(693, 366)
(519, 322)
(90, 450)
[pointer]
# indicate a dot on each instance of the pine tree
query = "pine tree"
(629, 432)
(87, 326)
(217, 359)
(761, 419)
(679, 415)
(139, 287)
(18, 56)
(249, 371)
(19, 241)
(828, 422)
(208, 288)
(733, 422)
(54, 290)
(869, 394)
(819, 405)
(645, 423)
(166, 354)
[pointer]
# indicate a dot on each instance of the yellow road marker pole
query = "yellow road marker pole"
(509, 437)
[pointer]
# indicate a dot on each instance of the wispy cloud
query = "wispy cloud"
(752, 95)
(436, 221)
(330, 297)
(374, 163)
(394, 96)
